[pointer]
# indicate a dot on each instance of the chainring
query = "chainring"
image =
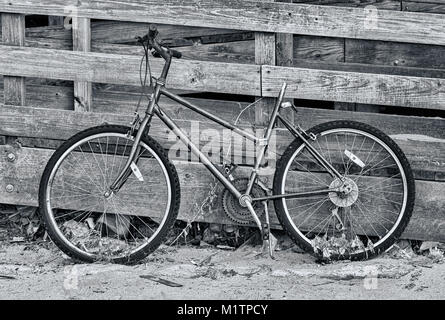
(233, 208)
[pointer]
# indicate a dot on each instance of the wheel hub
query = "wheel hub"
(108, 195)
(347, 194)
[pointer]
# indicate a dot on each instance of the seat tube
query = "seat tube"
(265, 141)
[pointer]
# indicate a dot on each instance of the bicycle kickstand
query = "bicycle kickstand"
(269, 240)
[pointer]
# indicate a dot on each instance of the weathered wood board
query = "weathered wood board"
(120, 69)
(24, 174)
(253, 16)
(425, 149)
(13, 33)
(366, 88)
(334, 52)
(305, 83)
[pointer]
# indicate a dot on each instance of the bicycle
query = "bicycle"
(342, 189)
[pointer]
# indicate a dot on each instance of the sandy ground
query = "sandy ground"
(33, 271)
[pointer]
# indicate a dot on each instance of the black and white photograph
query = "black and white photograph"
(229, 156)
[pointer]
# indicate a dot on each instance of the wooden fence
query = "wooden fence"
(89, 75)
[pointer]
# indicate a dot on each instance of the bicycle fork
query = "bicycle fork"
(130, 165)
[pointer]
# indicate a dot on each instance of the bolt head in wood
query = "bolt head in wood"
(9, 188)
(11, 157)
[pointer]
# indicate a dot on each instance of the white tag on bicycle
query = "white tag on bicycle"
(136, 171)
(354, 159)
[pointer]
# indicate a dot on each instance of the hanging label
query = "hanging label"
(354, 159)
(136, 171)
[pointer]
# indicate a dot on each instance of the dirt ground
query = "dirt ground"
(40, 271)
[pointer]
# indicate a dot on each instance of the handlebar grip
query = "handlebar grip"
(176, 54)
(153, 31)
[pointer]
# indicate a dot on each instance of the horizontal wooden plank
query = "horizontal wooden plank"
(108, 99)
(368, 88)
(122, 32)
(124, 69)
(319, 49)
(427, 223)
(395, 54)
(305, 83)
(422, 139)
(379, 4)
(434, 6)
(253, 16)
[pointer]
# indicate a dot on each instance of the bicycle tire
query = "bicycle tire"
(284, 162)
(103, 131)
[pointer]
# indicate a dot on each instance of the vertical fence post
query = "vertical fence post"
(264, 54)
(285, 58)
(13, 34)
(82, 42)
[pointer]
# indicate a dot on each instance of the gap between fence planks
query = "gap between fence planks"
(24, 174)
(252, 16)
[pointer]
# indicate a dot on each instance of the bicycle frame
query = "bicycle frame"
(154, 109)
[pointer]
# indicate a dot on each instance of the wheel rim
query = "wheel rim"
(122, 214)
(358, 208)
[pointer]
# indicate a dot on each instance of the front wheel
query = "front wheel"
(360, 222)
(87, 222)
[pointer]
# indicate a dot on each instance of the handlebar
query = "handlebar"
(159, 50)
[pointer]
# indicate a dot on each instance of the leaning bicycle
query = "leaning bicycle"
(342, 189)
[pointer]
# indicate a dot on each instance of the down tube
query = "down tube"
(202, 157)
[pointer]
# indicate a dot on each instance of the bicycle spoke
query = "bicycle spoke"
(108, 227)
(364, 213)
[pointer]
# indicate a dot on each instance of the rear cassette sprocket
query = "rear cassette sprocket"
(233, 208)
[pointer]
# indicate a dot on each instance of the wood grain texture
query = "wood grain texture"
(379, 4)
(124, 32)
(253, 16)
(395, 54)
(13, 33)
(313, 52)
(365, 88)
(434, 6)
(83, 91)
(265, 53)
(285, 57)
(422, 139)
(427, 222)
(120, 69)
(319, 49)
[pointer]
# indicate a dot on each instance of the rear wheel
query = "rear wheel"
(80, 215)
(369, 215)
